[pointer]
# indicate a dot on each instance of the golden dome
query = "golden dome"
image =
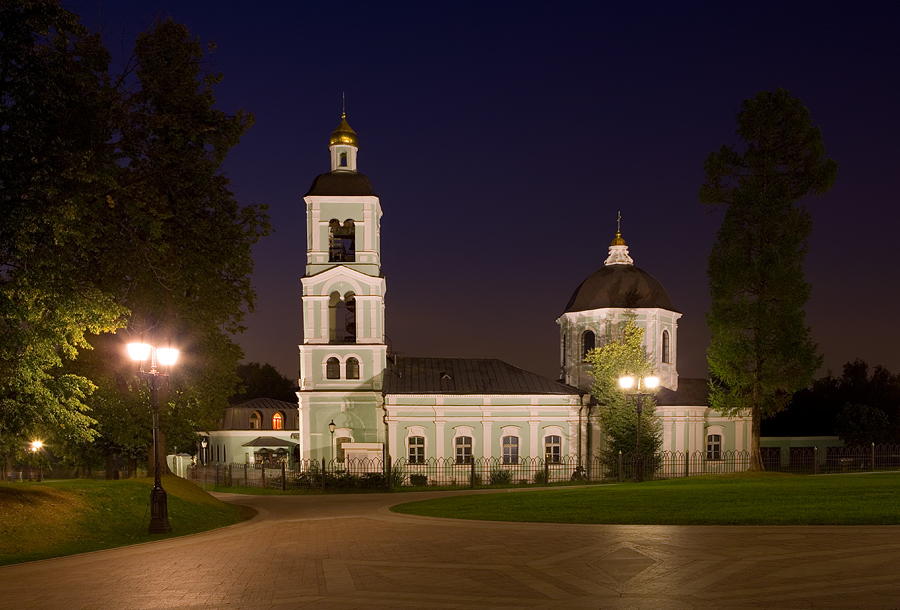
(344, 134)
(618, 241)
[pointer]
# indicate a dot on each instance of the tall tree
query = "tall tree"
(56, 163)
(179, 253)
(761, 350)
(115, 211)
(263, 381)
(623, 354)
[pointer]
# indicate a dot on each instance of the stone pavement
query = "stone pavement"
(350, 551)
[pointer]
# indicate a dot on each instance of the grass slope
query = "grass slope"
(55, 518)
(742, 499)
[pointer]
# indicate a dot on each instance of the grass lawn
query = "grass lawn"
(740, 499)
(55, 518)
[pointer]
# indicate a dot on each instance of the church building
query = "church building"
(358, 401)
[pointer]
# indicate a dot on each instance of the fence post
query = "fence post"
(687, 463)
(263, 471)
(546, 471)
(873, 456)
(283, 478)
(323, 474)
(621, 466)
(217, 473)
(390, 467)
(245, 475)
(815, 460)
(231, 475)
(472, 474)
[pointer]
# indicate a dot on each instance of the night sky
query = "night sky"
(503, 138)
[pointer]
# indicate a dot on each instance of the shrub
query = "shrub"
(398, 476)
(540, 477)
(500, 477)
(418, 480)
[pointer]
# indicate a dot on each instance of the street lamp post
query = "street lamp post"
(627, 382)
(331, 427)
(160, 360)
(35, 447)
(203, 444)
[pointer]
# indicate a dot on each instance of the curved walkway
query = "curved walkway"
(350, 551)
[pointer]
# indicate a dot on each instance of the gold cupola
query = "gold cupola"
(618, 240)
(344, 134)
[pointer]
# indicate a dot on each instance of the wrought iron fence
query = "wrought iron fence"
(449, 473)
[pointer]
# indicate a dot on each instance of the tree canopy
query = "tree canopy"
(861, 406)
(761, 350)
(263, 381)
(116, 215)
(623, 354)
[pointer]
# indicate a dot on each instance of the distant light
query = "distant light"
(167, 355)
(626, 382)
(36, 445)
(651, 382)
(139, 351)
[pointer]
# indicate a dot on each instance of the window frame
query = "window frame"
(460, 444)
(257, 417)
(415, 449)
(509, 445)
(666, 356)
(714, 447)
(278, 417)
(332, 368)
(551, 456)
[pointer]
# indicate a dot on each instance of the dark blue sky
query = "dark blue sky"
(503, 138)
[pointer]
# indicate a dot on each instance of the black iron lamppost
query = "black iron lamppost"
(160, 360)
(331, 427)
(203, 444)
(627, 382)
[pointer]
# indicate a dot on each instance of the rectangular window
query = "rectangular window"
(714, 447)
(552, 449)
(510, 449)
(416, 449)
(463, 449)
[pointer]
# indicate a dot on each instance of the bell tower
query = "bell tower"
(343, 354)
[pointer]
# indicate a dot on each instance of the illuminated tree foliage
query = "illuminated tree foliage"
(115, 214)
(761, 351)
(616, 413)
(55, 167)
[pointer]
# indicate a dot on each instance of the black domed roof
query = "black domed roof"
(623, 286)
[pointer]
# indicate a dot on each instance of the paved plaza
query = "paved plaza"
(349, 551)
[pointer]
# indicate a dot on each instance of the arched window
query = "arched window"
(278, 421)
(510, 449)
(552, 446)
(665, 346)
(343, 159)
(587, 341)
(352, 368)
(342, 241)
(339, 447)
(714, 447)
(342, 313)
(255, 420)
(416, 445)
(463, 445)
(332, 368)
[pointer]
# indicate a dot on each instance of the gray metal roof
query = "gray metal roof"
(692, 392)
(466, 376)
(268, 441)
(237, 417)
(341, 183)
